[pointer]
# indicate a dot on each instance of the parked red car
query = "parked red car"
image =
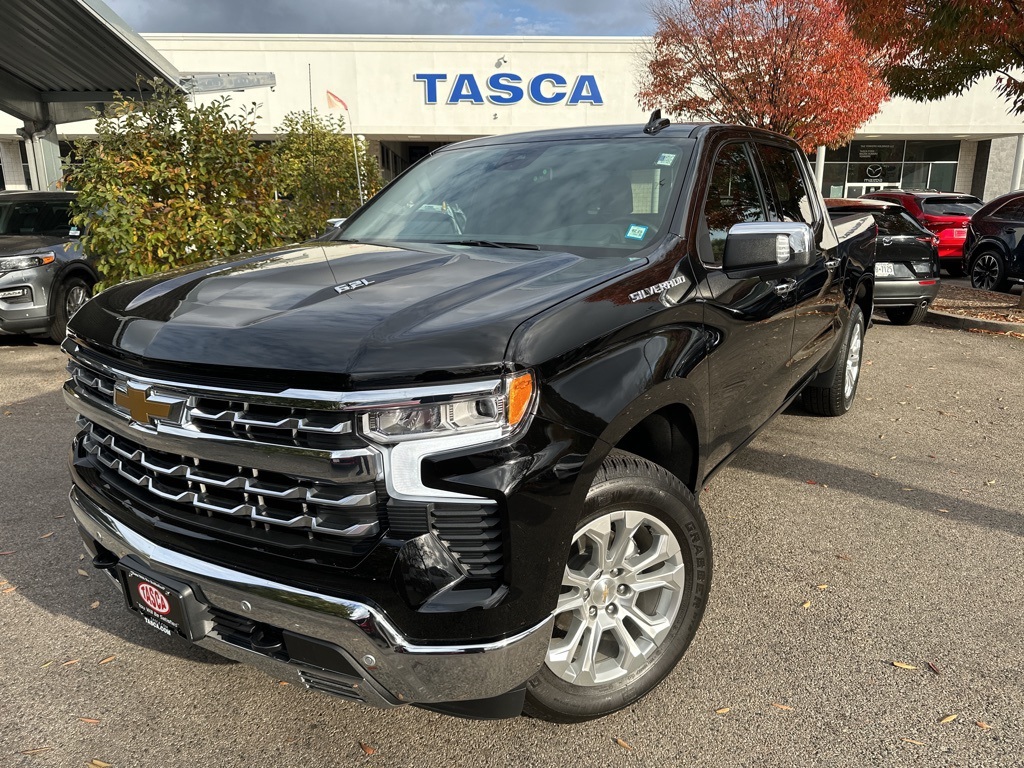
(944, 213)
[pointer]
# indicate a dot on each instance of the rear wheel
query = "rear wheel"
(69, 296)
(906, 315)
(836, 397)
(633, 593)
(988, 273)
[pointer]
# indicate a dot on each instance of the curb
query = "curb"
(961, 323)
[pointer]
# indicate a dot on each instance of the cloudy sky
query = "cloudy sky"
(448, 17)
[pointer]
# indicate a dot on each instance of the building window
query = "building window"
(872, 164)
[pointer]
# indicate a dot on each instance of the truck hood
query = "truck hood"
(362, 313)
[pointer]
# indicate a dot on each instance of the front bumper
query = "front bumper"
(376, 664)
(20, 316)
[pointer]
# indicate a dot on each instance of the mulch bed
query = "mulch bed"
(985, 305)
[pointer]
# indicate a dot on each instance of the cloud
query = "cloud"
(426, 17)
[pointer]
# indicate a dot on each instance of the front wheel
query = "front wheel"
(69, 296)
(633, 593)
(836, 397)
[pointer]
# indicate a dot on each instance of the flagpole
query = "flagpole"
(355, 154)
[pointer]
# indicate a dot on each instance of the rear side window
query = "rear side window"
(1012, 211)
(950, 206)
(896, 224)
(733, 197)
(791, 202)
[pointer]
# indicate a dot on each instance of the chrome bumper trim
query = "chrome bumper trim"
(410, 672)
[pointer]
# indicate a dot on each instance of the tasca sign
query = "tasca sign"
(546, 89)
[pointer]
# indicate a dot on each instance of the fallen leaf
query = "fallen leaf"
(88, 720)
(107, 660)
(891, 458)
(36, 751)
(933, 669)
(949, 718)
(94, 763)
(8, 413)
(823, 586)
(990, 482)
(942, 510)
(8, 552)
(903, 665)
(69, 663)
(845, 558)
(912, 741)
(782, 706)
(82, 572)
(806, 604)
(722, 711)
(983, 725)
(4, 583)
(9, 590)
(367, 748)
(47, 535)
(622, 743)
(59, 517)
(282, 682)
(906, 489)
(812, 482)
(46, 664)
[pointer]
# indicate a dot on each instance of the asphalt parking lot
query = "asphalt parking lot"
(894, 534)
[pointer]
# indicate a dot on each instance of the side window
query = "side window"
(733, 197)
(1012, 211)
(790, 200)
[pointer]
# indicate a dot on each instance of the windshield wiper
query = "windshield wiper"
(491, 244)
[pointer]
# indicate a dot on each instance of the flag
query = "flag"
(333, 102)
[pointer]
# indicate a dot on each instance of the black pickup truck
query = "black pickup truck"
(451, 456)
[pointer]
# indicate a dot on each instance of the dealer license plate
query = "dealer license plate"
(884, 269)
(160, 606)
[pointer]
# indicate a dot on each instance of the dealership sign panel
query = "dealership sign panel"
(547, 89)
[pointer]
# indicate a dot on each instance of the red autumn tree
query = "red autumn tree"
(935, 48)
(791, 66)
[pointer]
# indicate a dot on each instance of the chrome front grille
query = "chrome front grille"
(244, 494)
(248, 420)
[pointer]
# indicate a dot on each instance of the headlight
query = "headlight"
(12, 263)
(503, 407)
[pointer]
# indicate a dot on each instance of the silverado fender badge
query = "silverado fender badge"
(656, 289)
(346, 287)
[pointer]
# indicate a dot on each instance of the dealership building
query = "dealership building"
(407, 95)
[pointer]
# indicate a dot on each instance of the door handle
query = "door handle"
(831, 264)
(785, 287)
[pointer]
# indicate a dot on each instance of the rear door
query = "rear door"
(817, 290)
(751, 318)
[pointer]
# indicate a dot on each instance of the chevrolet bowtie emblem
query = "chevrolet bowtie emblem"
(145, 407)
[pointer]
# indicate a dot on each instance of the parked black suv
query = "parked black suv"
(453, 458)
(994, 251)
(44, 276)
(906, 257)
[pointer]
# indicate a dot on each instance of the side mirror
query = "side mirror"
(767, 248)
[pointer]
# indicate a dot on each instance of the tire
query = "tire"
(906, 315)
(954, 270)
(837, 396)
(988, 272)
(68, 296)
(600, 612)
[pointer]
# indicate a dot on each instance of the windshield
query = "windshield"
(35, 218)
(950, 206)
(589, 197)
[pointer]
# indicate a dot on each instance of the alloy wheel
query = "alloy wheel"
(985, 273)
(853, 361)
(76, 296)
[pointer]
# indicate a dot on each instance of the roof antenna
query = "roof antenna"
(656, 123)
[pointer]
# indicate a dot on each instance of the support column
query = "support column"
(819, 168)
(43, 155)
(1018, 164)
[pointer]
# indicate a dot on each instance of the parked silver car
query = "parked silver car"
(44, 276)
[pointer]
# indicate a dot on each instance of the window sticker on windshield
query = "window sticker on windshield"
(636, 232)
(666, 159)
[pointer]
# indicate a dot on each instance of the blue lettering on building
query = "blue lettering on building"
(508, 88)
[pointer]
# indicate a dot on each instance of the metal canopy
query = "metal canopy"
(60, 57)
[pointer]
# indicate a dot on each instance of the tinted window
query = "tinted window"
(950, 206)
(733, 196)
(899, 224)
(35, 218)
(791, 199)
(1012, 211)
